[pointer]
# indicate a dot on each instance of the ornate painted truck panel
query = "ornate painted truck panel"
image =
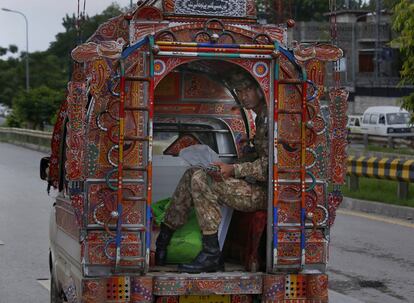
(148, 84)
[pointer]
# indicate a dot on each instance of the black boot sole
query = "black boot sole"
(199, 271)
(161, 261)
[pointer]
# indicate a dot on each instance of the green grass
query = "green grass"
(402, 150)
(379, 190)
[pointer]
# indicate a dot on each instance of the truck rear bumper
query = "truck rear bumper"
(234, 286)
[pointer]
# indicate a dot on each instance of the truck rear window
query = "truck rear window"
(167, 134)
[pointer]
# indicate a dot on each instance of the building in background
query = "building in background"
(359, 35)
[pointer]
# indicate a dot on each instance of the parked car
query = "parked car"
(2, 109)
(387, 121)
(7, 112)
(354, 124)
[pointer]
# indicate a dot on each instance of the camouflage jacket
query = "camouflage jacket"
(258, 168)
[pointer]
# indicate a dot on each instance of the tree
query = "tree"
(388, 5)
(49, 69)
(3, 51)
(12, 49)
(299, 10)
(68, 40)
(404, 25)
(304, 10)
(12, 79)
(37, 107)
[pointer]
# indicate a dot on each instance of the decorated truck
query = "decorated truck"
(153, 82)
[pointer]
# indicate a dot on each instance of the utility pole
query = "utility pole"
(27, 44)
(283, 10)
(377, 42)
(279, 11)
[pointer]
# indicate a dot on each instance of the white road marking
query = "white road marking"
(45, 284)
(376, 218)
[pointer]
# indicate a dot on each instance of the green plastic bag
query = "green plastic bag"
(186, 241)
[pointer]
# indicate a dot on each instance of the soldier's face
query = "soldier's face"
(250, 97)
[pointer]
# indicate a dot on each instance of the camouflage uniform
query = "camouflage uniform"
(199, 190)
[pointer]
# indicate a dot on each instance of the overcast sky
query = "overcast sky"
(45, 20)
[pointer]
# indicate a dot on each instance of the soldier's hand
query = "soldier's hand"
(226, 170)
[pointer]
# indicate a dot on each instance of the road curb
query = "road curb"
(401, 212)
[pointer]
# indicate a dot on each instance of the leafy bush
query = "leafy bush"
(37, 107)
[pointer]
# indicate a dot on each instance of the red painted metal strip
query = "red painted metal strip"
(121, 136)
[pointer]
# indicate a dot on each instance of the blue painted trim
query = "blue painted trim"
(129, 50)
(277, 63)
(212, 45)
(275, 230)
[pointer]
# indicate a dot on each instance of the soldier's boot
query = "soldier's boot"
(162, 242)
(208, 260)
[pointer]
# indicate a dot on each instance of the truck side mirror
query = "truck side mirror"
(44, 168)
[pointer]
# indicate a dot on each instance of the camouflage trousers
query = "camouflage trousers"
(197, 189)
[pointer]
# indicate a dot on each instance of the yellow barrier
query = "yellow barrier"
(372, 167)
(381, 168)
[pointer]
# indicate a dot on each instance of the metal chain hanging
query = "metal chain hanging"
(336, 193)
(81, 16)
(334, 40)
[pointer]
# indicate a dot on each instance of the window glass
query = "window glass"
(162, 140)
(373, 119)
(357, 122)
(366, 62)
(166, 134)
(366, 118)
(398, 118)
(381, 119)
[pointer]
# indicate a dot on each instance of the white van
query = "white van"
(387, 121)
(354, 124)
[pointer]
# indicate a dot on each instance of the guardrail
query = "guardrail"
(398, 170)
(381, 168)
(389, 141)
(34, 139)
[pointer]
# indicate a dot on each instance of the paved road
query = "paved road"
(24, 213)
(372, 258)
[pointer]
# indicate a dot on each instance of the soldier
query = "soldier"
(241, 186)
